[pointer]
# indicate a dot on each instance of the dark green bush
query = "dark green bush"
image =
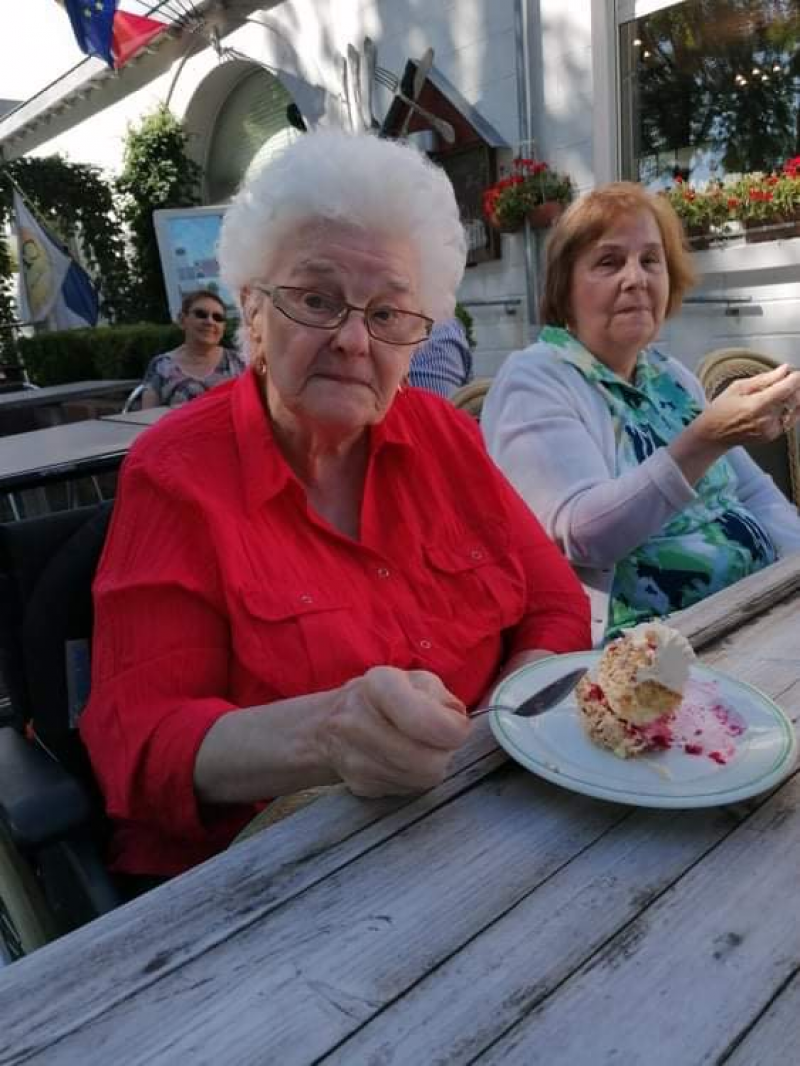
(463, 315)
(102, 352)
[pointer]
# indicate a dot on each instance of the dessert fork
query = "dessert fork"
(540, 701)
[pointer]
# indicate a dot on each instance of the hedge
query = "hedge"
(101, 352)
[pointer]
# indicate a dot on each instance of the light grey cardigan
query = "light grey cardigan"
(552, 435)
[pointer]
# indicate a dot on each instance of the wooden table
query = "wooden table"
(146, 417)
(56, 394)
(497, 919)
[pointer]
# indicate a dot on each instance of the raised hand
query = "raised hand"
(753, 409)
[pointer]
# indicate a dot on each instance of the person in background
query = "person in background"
(313, 574)
(444, 362)
(637, 478)
(200, 362)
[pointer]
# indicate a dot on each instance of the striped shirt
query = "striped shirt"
(444, 362)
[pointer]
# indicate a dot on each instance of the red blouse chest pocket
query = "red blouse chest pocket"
(291, 639)
(481, 579)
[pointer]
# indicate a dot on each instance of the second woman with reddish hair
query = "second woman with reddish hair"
(611, 443)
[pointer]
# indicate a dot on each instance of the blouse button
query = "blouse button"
(305, 598)
(425, 644)
(475, 554)
(383, 572)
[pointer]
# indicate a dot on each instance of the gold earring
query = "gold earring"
(260, 366)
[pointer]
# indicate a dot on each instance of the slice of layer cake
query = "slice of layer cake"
(629, 703)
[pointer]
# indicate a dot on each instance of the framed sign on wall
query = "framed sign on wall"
(187, 243)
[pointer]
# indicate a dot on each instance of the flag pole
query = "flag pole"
(17, 325)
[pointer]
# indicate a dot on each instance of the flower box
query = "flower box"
(766, 206)
(545, 215)
(516, 196)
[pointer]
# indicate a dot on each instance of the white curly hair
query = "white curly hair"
(378, 186)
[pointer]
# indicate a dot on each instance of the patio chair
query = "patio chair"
(52, 825)
(470, 397)
(134, 400)
(779, 458)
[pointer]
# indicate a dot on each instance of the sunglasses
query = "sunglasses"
(201, 313)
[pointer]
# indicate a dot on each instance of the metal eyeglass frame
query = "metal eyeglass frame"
(345, 314)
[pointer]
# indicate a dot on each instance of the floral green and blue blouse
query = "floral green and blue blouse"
(710, 544)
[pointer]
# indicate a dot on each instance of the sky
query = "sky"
(35, 40)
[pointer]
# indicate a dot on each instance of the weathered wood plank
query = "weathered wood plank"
(470, 1001)
(726, 611)
(683, 980)
(309, 973)
(775, 1038)
(185, 918)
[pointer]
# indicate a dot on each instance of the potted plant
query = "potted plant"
(533, 191)
(703, 212)
(769, 204)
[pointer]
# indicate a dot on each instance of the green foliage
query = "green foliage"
(76, 203)
(465, 318)
(102, 352)
(157, 173)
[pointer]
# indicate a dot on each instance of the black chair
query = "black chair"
(52, 825)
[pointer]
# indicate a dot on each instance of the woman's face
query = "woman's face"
(339, 380)
(204, 322)
(619, 291)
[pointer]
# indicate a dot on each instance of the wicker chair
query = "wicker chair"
(470, 397)
(779, 458)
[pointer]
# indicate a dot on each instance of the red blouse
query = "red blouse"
(219, 588)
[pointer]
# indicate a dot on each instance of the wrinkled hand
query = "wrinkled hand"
(753, 409)
(393, 732)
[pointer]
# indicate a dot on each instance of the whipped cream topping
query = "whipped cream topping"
(671, 656)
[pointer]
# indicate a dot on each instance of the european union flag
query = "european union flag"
(93, 26)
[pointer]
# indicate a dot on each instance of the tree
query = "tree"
(157, 173)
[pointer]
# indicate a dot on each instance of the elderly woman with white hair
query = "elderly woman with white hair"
(313, 572)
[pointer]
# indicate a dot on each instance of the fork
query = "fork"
(392, 83)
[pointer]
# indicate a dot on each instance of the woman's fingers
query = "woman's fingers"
(419, 706)
(394, 731)
(752, 409)
(759, 382)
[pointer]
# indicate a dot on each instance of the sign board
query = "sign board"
(187, 243)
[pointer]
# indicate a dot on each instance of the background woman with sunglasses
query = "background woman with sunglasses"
(200, 363)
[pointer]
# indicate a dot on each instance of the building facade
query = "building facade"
(599, 88)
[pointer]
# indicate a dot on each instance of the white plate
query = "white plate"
(555, 746)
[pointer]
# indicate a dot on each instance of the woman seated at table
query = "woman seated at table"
(311, 575)
(611, 442)
(200, 362)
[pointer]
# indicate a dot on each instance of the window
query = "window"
(708, 88)
(251, 126)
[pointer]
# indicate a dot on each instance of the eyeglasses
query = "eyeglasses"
(318, 309)
(200, 312)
